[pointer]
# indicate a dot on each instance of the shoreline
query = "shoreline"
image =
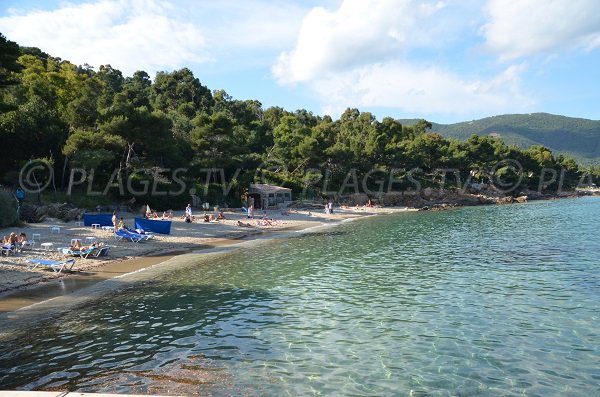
(22, 289)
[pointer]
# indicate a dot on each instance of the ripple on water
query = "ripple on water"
(481, 301)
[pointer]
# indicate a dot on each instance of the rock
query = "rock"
(36, 214)
(505, 200)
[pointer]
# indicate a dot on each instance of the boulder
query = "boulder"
(64, 212)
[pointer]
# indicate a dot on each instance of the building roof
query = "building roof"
(263, 188)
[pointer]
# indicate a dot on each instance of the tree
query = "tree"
(111, 82)
(33, 130)
(180, 91)
(91, 150)
(9, 53)
(212, 138)
(136, 90)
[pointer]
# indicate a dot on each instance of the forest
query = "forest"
(117, 135)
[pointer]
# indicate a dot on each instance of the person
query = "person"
(155, 215)
(122, 224)
(242, 224)
(115, 220)
(22, 241)
(251, 211)
(76, 246)
(331, 208)
(20, 194)
(221, 216)
(206, 218)
(188, 210)
(11, 239)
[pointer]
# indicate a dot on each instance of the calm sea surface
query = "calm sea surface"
(486, 301)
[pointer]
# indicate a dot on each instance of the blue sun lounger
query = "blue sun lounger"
(123, 235)
(135, 237)
(81, 253)
(54, 265)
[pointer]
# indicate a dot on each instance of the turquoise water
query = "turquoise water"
(486, 301)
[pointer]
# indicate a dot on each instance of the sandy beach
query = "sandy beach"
(16, 275)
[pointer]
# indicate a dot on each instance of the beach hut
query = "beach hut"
(264, 196)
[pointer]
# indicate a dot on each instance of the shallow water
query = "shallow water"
(486, 301)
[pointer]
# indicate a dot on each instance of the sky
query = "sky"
(444, 61)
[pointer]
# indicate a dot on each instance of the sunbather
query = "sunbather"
(11, 239)
(76, 246)
(221, 216)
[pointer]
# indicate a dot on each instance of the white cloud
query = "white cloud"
(361, 55)
(128, 34)
(422, 90)
(526, 27)
(357, 33)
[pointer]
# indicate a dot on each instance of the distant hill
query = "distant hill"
(574, 137)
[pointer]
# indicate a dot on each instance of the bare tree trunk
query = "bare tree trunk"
(129, 151)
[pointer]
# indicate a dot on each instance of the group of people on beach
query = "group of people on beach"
(212, 218)
(14, 241)
(14, 238)
(189, 217)
(166, 215)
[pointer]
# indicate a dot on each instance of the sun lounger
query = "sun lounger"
(8, 249)
(102, 251)
(81, 253)
(123, 235)
(141, 236)
(27, 245)
(54, 265)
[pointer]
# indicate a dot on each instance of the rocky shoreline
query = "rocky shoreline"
(442, 199)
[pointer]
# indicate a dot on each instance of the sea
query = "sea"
(480, 301)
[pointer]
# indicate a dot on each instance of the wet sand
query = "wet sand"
(68, 285)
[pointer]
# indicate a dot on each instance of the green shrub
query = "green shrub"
(8, 209)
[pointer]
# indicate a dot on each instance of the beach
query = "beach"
(16, 274)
